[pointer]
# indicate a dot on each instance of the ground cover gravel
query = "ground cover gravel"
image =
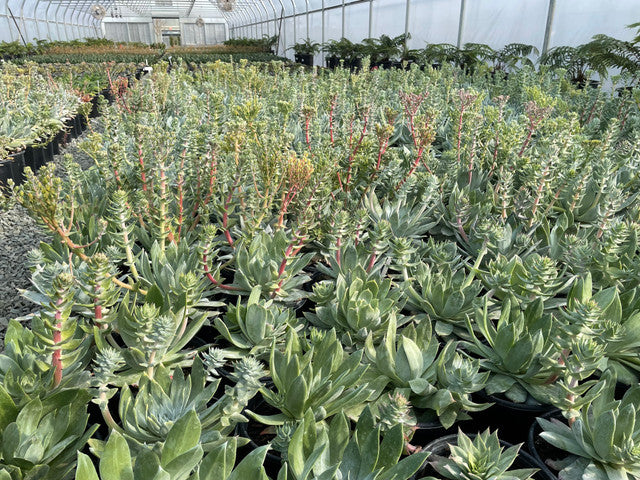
(19, 234)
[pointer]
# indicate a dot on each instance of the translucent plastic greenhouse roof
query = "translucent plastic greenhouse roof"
(542, 23)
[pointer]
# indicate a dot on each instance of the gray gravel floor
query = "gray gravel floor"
(19, 234)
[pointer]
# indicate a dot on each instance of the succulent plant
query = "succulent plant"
(325, 452)
(480, 458)
(446, 295)
(160, 402)
(25, 371)
(514, 349)
(41, 439)
(602, 441)
(180, 457)
(58, 331)
(439, 381)
(361, 305)
(254, 327)
(320, 377)
(267, 261)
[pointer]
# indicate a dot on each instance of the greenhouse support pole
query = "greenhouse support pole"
(240, 17)
(549, 27)
(306, 2)
(243, 22)
(342, 18)
(249, 24)
(463, 7)
(262, 21)
(322, 27)
(255, 19)
(64, 22)
(46, 13)
(275, 16)
(77, 24)
(370, 18)
(406, 21)
(266, 19)
(57, 22)
(295, 21)
(16, 23)
(22, 18)
(35, 20)
(282, 32)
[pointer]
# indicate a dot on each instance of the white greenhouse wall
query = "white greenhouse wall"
(494, 22)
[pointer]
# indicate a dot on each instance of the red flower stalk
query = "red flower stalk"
(332, 108)
(535, 114)
(466, 100)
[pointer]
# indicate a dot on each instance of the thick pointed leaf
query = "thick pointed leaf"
(85, 469)
(180, 467)
(218, 463)
(183, 436)
(116, 459)
(251, 465)
(147, 465)
(8, 409)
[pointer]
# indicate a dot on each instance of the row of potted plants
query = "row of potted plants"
(40, 116)
(599, 55)
(350, 265)
(95, 46)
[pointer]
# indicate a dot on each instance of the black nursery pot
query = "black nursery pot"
(16, 164)
(332, 62)
(427, 432)
(34, 157)
(304, 58)
(49, 151)
(59, 141)
(55, 144)
(95, 112)
(440, 447)
(79, 125)
(67, 132)
(5, 173)
(512, 420)
(541, 450)
(253, 431)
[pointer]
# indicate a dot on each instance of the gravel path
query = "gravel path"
(19, 234)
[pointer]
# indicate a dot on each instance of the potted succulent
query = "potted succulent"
(479, 457)
(305, 51)
(600, 442)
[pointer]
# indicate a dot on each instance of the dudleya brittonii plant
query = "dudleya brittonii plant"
(321, 377)
(480, 458)
(329, 451)
(210, 183)
(437, 382)
(252, 328)
(159, 402)
(602, 440)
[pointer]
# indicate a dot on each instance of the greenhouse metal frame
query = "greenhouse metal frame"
(543, 23)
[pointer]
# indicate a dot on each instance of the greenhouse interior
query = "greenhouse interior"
(319, 240)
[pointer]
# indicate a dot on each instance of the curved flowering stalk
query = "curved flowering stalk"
(58, 330)
(298, 173)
